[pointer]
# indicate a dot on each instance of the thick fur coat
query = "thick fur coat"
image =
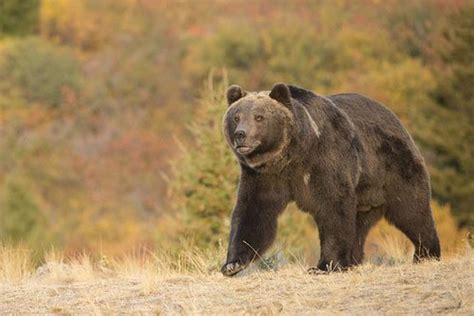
(345, 159)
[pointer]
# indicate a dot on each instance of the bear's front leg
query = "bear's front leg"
(254, 220)
(250, 236)
(337, 231)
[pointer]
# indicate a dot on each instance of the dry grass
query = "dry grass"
(158, 284)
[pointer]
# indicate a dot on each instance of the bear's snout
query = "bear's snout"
(239, 136)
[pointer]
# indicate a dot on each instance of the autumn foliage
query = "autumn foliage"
(110, 128)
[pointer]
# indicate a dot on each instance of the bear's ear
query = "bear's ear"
(281, 93)
(234, 93)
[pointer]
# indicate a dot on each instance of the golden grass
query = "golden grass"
(152, 283)
(15, 263)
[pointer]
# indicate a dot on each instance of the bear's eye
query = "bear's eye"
(236, 119)
(258, 118)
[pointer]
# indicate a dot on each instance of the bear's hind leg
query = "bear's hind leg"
(364, 222)
(410, 212)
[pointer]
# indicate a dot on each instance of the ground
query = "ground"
(398, 288)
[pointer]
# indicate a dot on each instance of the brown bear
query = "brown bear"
(344, 159)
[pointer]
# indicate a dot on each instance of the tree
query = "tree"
(18, 17)
(451, 139)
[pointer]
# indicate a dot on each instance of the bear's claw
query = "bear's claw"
(232, 268)
(316, 271)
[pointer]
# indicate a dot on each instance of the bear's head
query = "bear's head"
(258, 126)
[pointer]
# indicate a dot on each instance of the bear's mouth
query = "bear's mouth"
(246, 149)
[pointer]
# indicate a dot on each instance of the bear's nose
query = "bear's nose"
(239, 135)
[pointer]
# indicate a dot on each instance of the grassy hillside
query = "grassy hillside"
(153, 284)
(94, 94)
(111, 141)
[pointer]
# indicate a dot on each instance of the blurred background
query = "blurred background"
(110, 122)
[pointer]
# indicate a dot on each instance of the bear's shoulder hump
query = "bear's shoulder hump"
(302, 95)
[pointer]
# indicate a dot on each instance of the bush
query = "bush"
(22, 219)
(37, 71)
(204, 179)
(18, 17)
(87, 24)
(261, 58)
(452, 137)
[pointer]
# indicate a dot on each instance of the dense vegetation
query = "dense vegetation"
(95, 94)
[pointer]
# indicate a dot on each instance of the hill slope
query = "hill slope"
(431, 287)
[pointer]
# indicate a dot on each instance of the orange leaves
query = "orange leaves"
(91, 106)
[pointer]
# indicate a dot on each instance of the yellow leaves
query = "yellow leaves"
(73, 22)
(404, 85)
(360, 49)
(92, 164)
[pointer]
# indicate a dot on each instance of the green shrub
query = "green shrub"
(451, 139)
(204, 179)
(18, 17)
(21, 218)
(37, 71)
(262, 57)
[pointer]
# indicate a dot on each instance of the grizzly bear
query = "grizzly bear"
(344, 159)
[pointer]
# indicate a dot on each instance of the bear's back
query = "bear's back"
(381, 132)
(370, 118)
(367, 113)
(382, 139)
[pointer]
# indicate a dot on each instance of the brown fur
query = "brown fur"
(345, 159)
